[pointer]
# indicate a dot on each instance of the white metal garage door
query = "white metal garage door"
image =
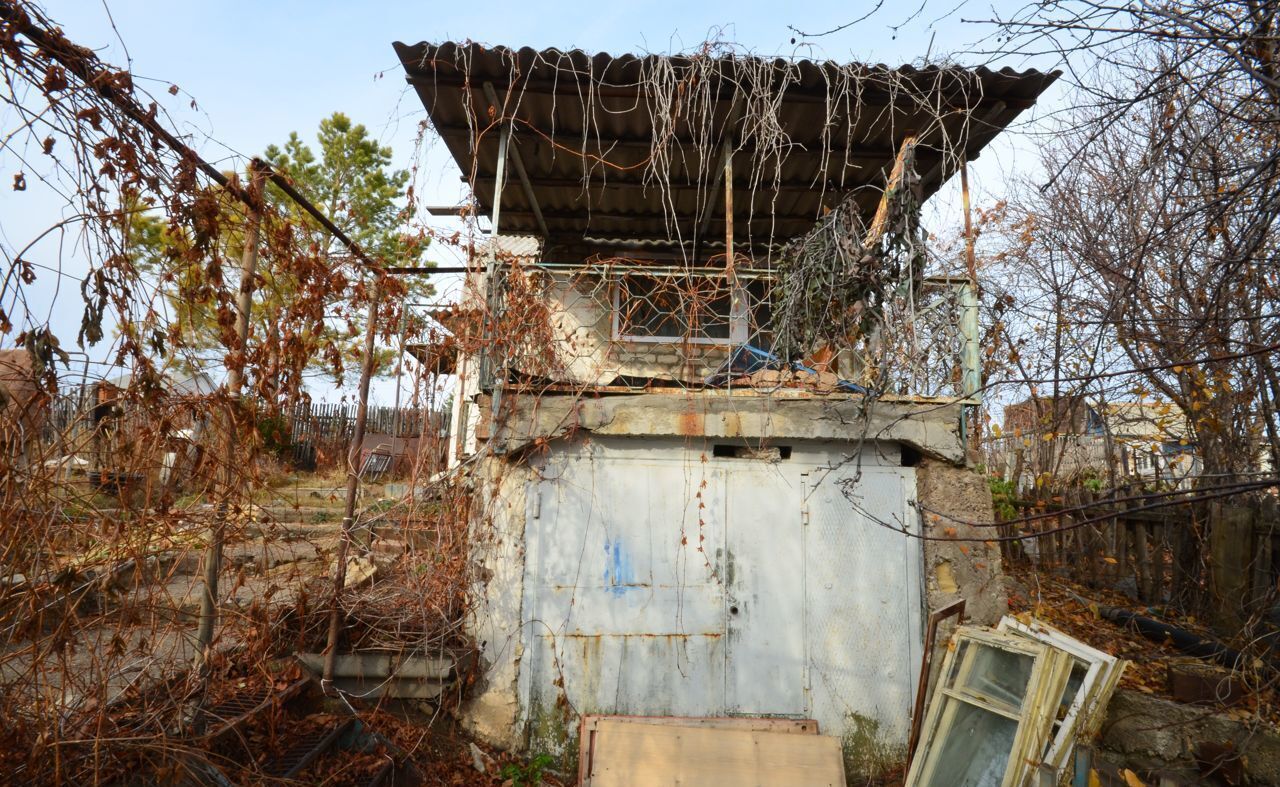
(662, 579)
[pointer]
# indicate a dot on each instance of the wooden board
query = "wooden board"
(627, 753)
(590, 722)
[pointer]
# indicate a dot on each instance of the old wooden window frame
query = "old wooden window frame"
(1034, 716)
(1083, 716)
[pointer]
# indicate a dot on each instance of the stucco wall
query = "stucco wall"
(494, 620)
(950, 495)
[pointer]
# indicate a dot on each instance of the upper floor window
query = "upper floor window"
(690, 309)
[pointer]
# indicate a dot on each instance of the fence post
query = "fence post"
(1263, 589)
(1230, 539)
(1142, 560)
(235, 380)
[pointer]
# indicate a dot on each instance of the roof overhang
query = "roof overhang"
(614, 151)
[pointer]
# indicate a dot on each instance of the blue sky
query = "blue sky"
(261, 70)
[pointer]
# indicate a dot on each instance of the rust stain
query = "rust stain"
(691, 423)
(673, 637)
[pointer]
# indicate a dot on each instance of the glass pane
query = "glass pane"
(676, 308)
(997, 676)
(975, 749)
(1078, 672)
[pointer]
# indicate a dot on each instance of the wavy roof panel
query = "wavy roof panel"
(609, 150)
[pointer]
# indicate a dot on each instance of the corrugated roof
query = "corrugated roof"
(630, 147)
(526, 248)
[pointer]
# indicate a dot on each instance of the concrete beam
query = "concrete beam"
(933, 428)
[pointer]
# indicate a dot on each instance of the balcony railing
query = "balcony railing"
(642, 326)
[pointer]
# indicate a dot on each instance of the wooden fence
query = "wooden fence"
(1218, 560)
(320, 433)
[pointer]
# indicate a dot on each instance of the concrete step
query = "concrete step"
(390, 546)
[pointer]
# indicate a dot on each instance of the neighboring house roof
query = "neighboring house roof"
(1036, 414)
(585, 129)
(21, 401)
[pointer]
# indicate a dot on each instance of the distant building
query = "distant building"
(1072, 438)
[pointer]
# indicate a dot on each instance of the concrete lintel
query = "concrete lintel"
(931, 428)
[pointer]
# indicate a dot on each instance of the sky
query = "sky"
(259, 70)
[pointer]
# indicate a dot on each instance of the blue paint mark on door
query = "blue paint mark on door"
(619, 574)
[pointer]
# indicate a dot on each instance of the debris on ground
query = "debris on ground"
(1076, 610)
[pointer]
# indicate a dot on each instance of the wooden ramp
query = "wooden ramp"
(637, 752)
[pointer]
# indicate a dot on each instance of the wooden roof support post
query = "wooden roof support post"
(726, 156)
(970, 260)
(879, 223)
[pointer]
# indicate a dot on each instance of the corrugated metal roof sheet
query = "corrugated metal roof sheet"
(805, 135)
(526, 248)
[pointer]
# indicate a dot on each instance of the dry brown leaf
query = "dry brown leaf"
(1131, 779)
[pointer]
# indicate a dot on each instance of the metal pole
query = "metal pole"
(728, 213)
(491, 265)
(353, 487)
(235, 381)
(972, 366)
(404, 327)
(489, 373)
(971, 360)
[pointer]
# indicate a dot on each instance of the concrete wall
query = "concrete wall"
(930, 427)
(949, 496)
(550, 614)
(1145, 733)
(495, 620)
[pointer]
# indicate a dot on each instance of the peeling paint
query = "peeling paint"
(621, 613)
(946, 578)
(671, 637)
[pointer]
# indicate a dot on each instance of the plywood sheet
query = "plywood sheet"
(590, 723)
(631, 754)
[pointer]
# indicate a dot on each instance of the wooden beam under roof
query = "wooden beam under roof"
(616, 182)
